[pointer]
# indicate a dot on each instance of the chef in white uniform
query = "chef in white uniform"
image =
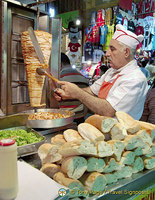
(122, 88)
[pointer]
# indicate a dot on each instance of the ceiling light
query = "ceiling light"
(89, 62)
(52, 12)
(78, 22)
(73, 66)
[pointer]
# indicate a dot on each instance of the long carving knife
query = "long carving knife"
(36, 45)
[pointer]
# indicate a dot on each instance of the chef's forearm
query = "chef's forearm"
(97, 105)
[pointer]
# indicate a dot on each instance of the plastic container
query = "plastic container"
(8, 169)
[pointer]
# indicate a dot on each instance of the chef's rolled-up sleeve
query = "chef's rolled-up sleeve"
(129, 96)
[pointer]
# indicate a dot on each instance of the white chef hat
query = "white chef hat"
(127, 37)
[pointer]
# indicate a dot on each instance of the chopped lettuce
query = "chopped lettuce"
(21, 136)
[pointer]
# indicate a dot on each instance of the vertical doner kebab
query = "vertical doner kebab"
(31, 61)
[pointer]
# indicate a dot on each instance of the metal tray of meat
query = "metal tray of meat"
(28, 149)
(53, 123)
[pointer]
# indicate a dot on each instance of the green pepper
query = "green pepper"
(21, 136)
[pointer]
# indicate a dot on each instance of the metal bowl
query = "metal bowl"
(54, 123)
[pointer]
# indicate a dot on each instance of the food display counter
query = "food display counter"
(139, 186)
(33, 184)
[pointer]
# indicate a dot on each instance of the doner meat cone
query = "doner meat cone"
(31, 61)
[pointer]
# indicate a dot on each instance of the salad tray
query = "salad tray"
(30, 148)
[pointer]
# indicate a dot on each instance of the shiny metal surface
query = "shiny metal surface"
(15, 120)
(16, 17)
(55, 27)
(3, 64)
(129, 186)
(54, 123)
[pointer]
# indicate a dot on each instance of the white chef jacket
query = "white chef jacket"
(128, 92)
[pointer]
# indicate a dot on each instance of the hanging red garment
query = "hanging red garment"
(125, 4)
(100, 20)
(95, 34)
(74, 46)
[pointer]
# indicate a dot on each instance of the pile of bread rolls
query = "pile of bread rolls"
(101, 151)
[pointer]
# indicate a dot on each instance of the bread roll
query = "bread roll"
(53, 154)
(94, 181)
(138, 165)
(152, 152)
(110, 178)
(131, 125)
(145, 137)
(95, 164)
(72, 184)
(62, 179)
(43, 150)
(58, 139)
(48, 153)
(74, 166)
(104, 124)
(71, 135)
(111, 165)
(89, 132)
(153, 135)
(103, 149)
(133, 141)
(147, 126)
(118, 132)
(59, 177)
(149, 163)
(50, 169)
(143, 150)
(124, 172)
(117, 148)
(127, 158)
(75, 148)
(31, 61)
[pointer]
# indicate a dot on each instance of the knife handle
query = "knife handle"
(50, 76)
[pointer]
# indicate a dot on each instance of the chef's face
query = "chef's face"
(116, 55)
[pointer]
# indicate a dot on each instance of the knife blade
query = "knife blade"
(36, 45)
